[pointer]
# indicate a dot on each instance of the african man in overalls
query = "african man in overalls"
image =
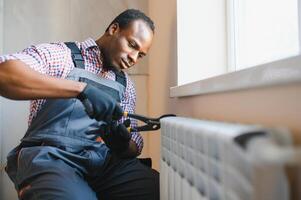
(79, 91)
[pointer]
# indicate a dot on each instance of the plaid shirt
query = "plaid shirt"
(54, 59)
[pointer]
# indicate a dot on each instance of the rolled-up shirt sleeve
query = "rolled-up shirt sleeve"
(129, 104)
(49, 59)
(44, 58)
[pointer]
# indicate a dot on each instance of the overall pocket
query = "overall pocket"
(12, 164)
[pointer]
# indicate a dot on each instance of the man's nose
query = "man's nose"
(133, 57)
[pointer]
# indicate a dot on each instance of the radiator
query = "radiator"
(210, 160)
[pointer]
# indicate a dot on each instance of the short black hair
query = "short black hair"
(127, 16)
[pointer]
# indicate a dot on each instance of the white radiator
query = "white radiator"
(209, 160)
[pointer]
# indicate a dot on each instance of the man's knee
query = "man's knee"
(130, 180)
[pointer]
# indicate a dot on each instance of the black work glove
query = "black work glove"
(116, 137)
(99, 105)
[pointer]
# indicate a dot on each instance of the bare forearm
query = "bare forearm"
(19, 81)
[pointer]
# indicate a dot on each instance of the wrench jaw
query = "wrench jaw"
(152, 124)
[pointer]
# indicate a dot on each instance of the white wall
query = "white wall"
(30, 22)
(162, 66)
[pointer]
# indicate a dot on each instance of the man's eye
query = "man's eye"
(131, 44)
(140, 55)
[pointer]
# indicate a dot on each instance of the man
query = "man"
(80, 92)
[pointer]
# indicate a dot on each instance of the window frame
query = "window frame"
(231, 35)
(269, 74)
(263, 75)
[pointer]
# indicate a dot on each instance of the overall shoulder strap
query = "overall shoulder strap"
(120, 78)
(78, 61)
(76, 55)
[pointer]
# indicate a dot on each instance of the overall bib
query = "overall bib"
(60, 158)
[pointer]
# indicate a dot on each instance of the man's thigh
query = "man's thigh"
(43, 175)
(127, 179)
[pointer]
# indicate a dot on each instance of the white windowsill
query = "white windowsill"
(281, 72)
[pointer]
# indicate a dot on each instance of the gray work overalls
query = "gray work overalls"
(60, 157)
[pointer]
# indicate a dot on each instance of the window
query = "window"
(201, 39)
(265, 31)
(216, 36)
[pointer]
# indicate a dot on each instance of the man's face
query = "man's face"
(127, 45)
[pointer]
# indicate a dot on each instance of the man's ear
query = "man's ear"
(113, 28)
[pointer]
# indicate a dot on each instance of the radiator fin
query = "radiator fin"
(210, 160)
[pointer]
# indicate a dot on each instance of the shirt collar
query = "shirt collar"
(91, 44)
(88, 43)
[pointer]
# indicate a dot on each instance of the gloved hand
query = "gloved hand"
(116, 137)
(99, 105)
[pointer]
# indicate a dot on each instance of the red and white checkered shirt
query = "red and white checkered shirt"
(54, 59)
